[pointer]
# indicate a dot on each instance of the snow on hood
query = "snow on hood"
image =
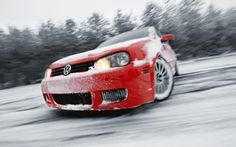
(99, 51)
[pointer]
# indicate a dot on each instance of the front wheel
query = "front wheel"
(164, 80)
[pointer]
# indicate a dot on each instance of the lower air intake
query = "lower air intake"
(73, 99)
(114, 95)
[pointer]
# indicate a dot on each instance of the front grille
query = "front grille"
(73, 99)
(82, 67)
(114, 95)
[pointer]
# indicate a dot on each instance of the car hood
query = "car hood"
(95, 54)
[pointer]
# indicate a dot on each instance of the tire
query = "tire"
(177, 70)
(164, 80)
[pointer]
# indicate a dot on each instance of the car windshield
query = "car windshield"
(136, 34)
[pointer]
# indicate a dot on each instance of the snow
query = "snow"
(76, 107)
(200, 112)
(138, 63)
(84, 78)
(208, 63)
(152, 48)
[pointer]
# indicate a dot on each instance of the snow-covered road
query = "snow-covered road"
(201, 112)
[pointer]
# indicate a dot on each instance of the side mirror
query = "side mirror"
(167, 37)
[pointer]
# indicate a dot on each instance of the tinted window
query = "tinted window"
(140, 33)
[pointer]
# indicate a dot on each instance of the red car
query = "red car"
(127, 71)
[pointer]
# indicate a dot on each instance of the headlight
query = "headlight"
(48, 73)
(116, 60)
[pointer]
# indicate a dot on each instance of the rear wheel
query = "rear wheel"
(164, 80)
(176, 70)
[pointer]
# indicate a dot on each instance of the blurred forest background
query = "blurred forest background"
(199, 31)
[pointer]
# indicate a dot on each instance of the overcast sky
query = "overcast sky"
(30, 13)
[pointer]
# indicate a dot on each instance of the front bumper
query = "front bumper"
(136, 80)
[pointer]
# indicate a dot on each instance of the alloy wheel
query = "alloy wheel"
(164, 79)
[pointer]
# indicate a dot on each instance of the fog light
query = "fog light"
(114, 95)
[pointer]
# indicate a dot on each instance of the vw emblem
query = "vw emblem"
(67, 70)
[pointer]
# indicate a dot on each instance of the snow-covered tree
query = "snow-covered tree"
(152, 15)
(123, 22)
(94, 31)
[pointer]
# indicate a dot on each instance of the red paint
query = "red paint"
(140, 84)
